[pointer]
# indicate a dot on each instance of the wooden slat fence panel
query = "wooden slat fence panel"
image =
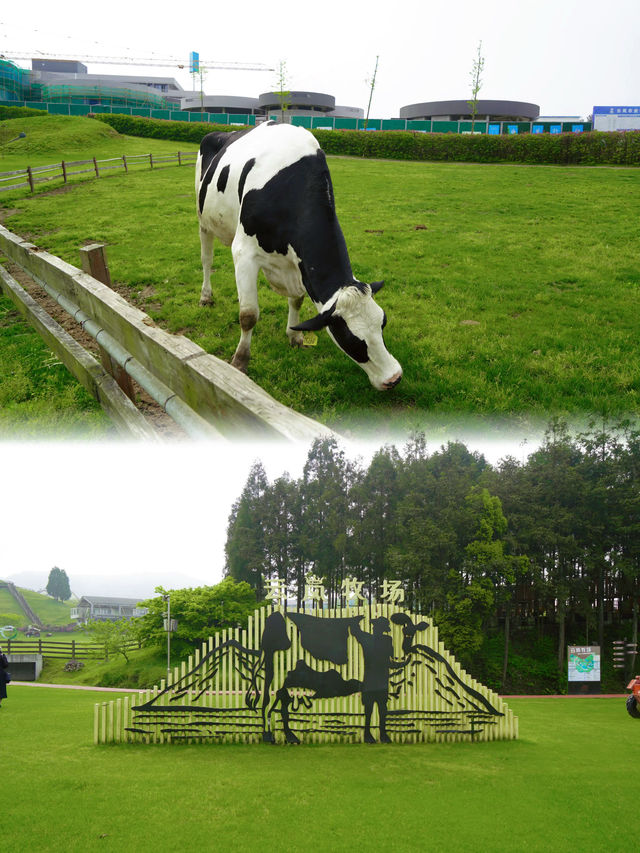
(205, 698)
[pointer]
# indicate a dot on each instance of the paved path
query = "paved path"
(512, 696)
(77, 687)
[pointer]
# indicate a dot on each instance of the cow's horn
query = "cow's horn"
(376, 286)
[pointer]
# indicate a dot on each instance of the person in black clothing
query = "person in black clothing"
(4, 666)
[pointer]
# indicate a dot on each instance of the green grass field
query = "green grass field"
(38, 396)
(510, 291)
(568, 783)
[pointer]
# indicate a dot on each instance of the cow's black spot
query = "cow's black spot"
(295, 208)
(223, 177)
(248, 166)
(354, 347)
(212, 148)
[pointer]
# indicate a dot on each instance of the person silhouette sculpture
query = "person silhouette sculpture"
(377, 650)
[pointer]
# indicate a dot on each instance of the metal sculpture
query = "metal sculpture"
(367, 673)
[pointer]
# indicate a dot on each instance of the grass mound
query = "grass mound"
(55, 134)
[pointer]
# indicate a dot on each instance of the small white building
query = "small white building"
(99, 608)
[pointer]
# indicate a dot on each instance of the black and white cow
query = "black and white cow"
(267, 193)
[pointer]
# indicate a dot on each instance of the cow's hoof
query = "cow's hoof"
(240, 364)
(204, 301)
(296, 339)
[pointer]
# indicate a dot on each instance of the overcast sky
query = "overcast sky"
(564, 56)
(141, 510)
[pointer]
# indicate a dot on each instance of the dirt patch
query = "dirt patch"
(153, 412)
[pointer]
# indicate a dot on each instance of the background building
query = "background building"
(65, 87)
(488, 111)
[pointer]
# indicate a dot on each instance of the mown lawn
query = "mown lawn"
(510, 291)
(39, 398)
(568, 783)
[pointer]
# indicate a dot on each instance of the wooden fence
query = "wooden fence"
(207, 696)
(67, 170)
(206, 396)
(60, 649)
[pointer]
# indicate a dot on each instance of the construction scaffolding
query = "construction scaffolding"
(87, 93)
(14, 81)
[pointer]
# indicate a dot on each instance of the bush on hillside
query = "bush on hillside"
(20, 112)
(180, 131)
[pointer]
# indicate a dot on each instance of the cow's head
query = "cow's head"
(355, 322)
(409, 630)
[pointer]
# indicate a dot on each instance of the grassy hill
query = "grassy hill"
(50, 139)
(49, 611)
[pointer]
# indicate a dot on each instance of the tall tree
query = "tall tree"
(281, 92)
(374, 498)
(326, 482)
(245, 551)
(476, 84)
(58, 584)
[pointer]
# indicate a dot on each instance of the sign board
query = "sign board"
(584, 669)
(616, 118)
(194, 62)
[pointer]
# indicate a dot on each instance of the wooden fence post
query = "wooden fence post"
(124, 162)
(95, 166)
(64, 171)
(94, 262)
(151, 160)
(30, 177)
(179, 159)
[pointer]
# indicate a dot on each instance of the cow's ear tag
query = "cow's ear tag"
(309, 339)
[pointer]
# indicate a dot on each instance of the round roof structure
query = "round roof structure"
(220, 104)
(313, 101)
(457, 110)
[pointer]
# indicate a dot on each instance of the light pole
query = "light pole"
(167, 626)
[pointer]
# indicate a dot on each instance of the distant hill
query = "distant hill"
(124, 586)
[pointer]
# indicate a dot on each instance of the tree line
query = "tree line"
(550, 541)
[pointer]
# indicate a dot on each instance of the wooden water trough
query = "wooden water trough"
(207, 397)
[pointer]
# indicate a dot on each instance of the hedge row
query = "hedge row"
(178, 131)
(565, 148)
(20, 112)
(621, 148)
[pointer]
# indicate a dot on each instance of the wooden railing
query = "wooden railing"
(69, 169)
(59, 649)
(211, 397)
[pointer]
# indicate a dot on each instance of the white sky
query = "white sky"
(564, 56)
(126, 510)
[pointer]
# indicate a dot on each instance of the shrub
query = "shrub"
(180, 131)
(20, 112)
